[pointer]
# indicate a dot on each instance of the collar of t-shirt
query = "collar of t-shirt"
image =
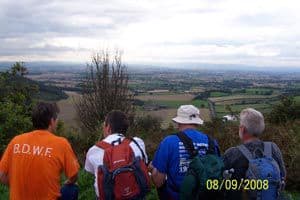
(114, 138)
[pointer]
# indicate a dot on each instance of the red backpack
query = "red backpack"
(122, 175)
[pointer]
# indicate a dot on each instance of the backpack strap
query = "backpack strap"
(137, 144)
(103, 145)
(126, 141)
(245, 151)
(268, 149)
(187, 143)
(211, 145)
(118, 141)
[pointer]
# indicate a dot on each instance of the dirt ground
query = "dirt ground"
(67, 110)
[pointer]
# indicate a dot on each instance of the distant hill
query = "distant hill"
(46, 92)
(59, 66)
(35, 67)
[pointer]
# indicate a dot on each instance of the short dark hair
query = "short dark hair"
(118, 121)
(43, 113)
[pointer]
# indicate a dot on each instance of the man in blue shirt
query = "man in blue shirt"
(171, 160)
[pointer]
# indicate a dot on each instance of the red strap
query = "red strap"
(126, 141)
(103, 145)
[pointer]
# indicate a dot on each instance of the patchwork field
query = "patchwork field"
(263, 107)
(173, 101)
(167, 114)
(235, 99)
(261, 99)
(166, 97)
(261, 91)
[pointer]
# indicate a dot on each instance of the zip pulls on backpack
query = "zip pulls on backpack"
(227, 174)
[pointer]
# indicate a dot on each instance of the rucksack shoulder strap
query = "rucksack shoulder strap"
(126, 141)
(268, 149)
(140, 148)
(245, 151)
(211, 145)
(187, 143)
(103, 145)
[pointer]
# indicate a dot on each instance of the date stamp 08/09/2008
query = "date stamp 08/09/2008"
(234, 184)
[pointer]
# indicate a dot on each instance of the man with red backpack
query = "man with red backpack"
(118, 163)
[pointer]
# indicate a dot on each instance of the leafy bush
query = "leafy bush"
(86, 186)
(3, 192)
(146, 124)
(15, 106)
(13, 121)
(286, 110)
(80, 142)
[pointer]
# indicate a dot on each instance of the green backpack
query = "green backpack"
(201, 169)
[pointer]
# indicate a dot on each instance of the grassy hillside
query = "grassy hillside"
(45, 92)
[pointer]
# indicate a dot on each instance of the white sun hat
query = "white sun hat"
(188, 114)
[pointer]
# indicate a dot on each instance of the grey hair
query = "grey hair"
(253, 121)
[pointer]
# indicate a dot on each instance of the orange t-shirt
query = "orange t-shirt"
(34, 162)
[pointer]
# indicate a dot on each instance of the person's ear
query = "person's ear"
(242, 130)
(106, 129)
(52, 124)
(103, 126)
(109, 129)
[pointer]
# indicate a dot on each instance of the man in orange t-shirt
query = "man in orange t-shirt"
(33, 162)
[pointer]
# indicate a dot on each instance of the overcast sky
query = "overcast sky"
(255, 32)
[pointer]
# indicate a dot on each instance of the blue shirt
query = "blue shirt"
(172, 159)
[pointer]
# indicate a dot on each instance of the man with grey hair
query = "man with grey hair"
(236, 160)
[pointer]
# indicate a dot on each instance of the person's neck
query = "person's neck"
(50, 130)
(107, 134)
(249, 139)
(43, 130)
(187, 127)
